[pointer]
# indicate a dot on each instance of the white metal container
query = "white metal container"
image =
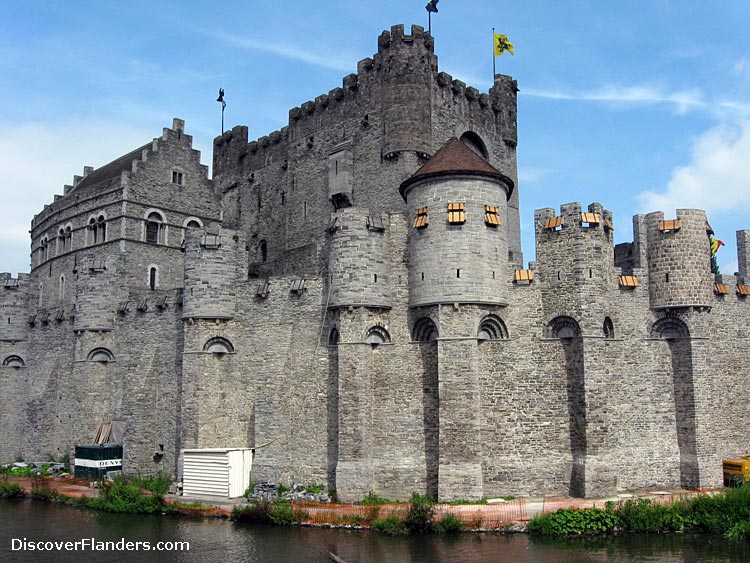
(216, 472)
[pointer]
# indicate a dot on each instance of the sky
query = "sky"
(640, 105)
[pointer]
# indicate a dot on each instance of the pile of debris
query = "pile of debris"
(269, 492)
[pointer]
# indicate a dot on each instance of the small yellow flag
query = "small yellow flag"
(502, 44)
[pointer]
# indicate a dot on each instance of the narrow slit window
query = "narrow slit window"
(491, 215)
(456, 214)
(420, 218)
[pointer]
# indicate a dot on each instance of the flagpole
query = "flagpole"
(493, 56)
(429, 22)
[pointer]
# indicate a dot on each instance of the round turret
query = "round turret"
(358, 260)
(458, 250)
(679, 259)
(406, 90)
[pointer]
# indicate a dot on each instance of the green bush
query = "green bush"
(646, 516)
(256, 511)
(40, 490)
(157, 484)
(372, 498)
(448, 524)
(119, 496)
(419, 518)
(390, 526)
(10, 490)
(280, 512)
(574, 522)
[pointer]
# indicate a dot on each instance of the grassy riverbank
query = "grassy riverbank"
(726, 512)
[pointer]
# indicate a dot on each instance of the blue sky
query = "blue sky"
(639, 105)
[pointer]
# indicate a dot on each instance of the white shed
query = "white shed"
(216, 472)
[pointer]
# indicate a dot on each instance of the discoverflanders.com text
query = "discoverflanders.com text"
(92, 544)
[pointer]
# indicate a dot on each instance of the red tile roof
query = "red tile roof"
(455, 158)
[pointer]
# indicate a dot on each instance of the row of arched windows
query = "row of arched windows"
(154, 232)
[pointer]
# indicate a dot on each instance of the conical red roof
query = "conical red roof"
(455, 158)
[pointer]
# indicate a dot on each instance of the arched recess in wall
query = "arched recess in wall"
(13, 361)
(424, 330)
(669, 328)
(475, 143)
(263, 251)
(218, 345)
(101, 355)
(492, 327)
(608, 328)
(377, 335)
(564, 327)
(334, 337)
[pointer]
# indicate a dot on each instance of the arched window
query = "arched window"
(101, 355)
(377, 335)
(91, 232)
(101, 229)
(68, 245)
(218, 345)
(263, 248)
(193, 224)
(475, 143)
(41, 294)
(44, 244)
(424, 330)
(608, 328)
(334, 337)
(61, 288)
(60, 242)
(564, 327)
(155, 228)
(13, 362)
(153, 277)
(492, 327)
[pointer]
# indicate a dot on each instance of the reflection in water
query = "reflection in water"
(220, 540)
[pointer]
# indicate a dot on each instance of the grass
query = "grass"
(121, 496)
(726, 513)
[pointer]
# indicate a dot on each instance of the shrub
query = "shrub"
(390, 526)
(40, 490)
(574, 522)
(419, 517)
(119, 496)
(157, 484)
(254, 512)
(644, 516)
(372, 498)
(10, 490)
(448, 524)
(280, 512)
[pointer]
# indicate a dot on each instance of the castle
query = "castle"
(348, 296)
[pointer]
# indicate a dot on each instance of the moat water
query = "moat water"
(220, 540)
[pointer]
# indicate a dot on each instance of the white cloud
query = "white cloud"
(716, 179)
(294, 52)
(682, 100)
(37, 159)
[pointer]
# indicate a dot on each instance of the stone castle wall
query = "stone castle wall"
(281, 306)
